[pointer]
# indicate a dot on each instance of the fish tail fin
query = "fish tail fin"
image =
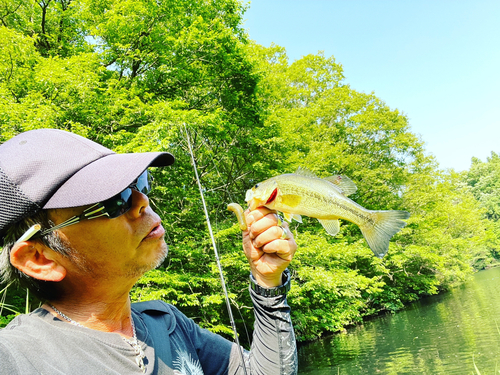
(380, 230)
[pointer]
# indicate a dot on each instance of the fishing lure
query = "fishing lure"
(238, 211)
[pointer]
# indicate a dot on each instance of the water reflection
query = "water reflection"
(443, 334)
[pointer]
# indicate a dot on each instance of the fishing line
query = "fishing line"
(228, 304)
(224, 186)
(230, 195)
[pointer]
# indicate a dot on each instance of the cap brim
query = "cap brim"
(104, 178)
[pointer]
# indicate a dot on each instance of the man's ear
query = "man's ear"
(37, 261)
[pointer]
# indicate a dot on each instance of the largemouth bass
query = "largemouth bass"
(303, 193)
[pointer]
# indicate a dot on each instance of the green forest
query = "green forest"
(138, 75)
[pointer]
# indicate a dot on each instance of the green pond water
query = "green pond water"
(452, 333)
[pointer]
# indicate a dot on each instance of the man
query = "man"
(78, 231)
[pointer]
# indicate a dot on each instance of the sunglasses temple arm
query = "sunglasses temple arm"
(75, 219)
(29, 233)
(34, 231)
(70, 221)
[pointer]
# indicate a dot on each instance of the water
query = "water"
(446, 334)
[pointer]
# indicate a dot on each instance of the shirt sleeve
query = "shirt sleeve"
(273, 349)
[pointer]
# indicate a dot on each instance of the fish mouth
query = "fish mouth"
(254, 203)
(249, 195)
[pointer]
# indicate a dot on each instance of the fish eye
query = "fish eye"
(256, 186)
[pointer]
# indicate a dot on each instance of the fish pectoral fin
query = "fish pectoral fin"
(344, 183)
(291, 200)
(331, 226)
(289, 217)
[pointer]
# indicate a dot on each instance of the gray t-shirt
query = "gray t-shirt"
(39, 343)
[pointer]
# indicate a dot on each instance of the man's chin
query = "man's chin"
(160, 258)
(139, 270)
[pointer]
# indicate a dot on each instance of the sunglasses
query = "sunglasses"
(112, 208)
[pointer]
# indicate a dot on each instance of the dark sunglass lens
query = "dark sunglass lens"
(143, 183)
(119, 204)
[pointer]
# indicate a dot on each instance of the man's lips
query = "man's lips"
(157, 231)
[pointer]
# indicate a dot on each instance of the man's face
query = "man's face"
(111, 249)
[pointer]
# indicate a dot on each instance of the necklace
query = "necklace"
(134, 343)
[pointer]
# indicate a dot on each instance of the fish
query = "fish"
(304, 194)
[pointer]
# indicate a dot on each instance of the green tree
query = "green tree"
(444, 236)
(484, 180)
(56, 25)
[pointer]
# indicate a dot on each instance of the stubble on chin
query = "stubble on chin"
(137, 270)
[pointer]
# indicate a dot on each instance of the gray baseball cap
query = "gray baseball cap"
(50, 168)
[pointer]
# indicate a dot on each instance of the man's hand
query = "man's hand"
(266, 251)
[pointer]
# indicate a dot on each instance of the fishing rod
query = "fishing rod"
(219, 266)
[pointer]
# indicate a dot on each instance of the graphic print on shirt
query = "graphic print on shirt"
(186, 365)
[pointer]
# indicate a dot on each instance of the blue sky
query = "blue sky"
(436, 61)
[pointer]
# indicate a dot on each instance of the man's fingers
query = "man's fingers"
(282, 248)
(269, 234)
(257, 214)
(262, 221)
(271, 241)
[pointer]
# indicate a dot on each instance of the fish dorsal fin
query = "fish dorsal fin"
(344, 183)
(305, 172)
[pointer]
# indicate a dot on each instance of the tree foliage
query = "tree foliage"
(484, 181)
(149, 75)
